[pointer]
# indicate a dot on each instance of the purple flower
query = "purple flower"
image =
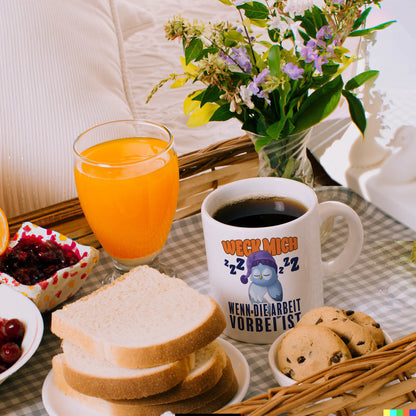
(319, 61)
(239, 57)
(338, 1)
(325, 32)
(292, 70)
(309, 53)
(254, 86)
(261, 78)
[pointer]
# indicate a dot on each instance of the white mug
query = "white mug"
(265, 278)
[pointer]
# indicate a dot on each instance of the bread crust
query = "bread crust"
(141, 356)
(194, 385)
(162, 379)
(208, 401)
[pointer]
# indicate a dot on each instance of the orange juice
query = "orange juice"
(128, 194)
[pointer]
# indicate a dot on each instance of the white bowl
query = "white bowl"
(282, 379)
(278, 375)
(15, 305)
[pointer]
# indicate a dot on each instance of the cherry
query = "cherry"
(10, 352)
(13, 330)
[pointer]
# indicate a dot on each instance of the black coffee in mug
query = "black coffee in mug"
(260, 212)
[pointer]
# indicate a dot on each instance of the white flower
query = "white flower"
(245, 94)
(294, 27)
(297, 7)
(278, 23)
(284, 25)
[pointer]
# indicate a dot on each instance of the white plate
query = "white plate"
(241, 370)
(57, 403)
(15, 305)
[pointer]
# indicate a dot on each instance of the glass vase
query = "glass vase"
(286, 157)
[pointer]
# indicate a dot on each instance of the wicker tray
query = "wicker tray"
(363, 386)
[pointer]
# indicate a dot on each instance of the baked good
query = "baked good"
(306, 349)
(358, 338)
(142, 319)
(216, 397)
(321, 315)
(100, 378)
(368, 322)
(143, 345)
(97, 377)
(210, 363)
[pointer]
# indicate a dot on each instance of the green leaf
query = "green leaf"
(330, 69)
(258, 22)
(234, 35)
(319, 17)
(274, 130)
(254, 10)
(273, 59)
(360, 79)
(210, 94)
(227, 2)
(309, 26)
(319, 105)
(261, 142)
(193, 50)
(304, 36)
(274, 35)
(361, 19)
(356, 111)
(364, 32)
(222, 113)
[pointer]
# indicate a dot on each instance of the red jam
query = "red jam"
(33, 260)
(11, 336)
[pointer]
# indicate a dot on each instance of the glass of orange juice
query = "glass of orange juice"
(127, 179)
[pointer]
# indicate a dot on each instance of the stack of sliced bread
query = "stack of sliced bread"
(142, 345)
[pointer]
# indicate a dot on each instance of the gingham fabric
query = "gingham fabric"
(382, 283)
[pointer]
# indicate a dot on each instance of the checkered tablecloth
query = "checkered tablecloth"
(382, 283)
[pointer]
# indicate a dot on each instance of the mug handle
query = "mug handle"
(355, 239)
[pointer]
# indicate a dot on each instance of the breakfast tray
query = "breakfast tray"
(382, 283)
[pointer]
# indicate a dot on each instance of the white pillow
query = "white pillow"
(62, 71)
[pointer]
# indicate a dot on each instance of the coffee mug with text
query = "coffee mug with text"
(263, 246)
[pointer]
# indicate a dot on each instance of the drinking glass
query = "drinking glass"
(127, 178)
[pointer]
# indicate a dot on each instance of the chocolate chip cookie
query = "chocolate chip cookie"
(368, 322)
(321, 315)
(358, 338)
(306, 349)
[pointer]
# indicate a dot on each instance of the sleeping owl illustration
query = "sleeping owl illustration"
(262, 271)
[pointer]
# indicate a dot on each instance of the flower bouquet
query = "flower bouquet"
(278, 70)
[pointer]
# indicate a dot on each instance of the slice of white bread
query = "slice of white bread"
(142, 319)
(210, 362)
(96, 377)
(99, 378)
(212, 399)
